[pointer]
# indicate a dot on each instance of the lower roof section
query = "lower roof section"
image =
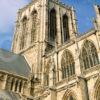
(14, 63)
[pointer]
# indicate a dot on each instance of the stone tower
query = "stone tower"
(64, 66)
(42, 27)
(34, 36)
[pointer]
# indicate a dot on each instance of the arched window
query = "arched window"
(52, 33)
(69, 95)
(98, 93)
(65, 28)
(67, 64)
(34, 22)
(89, 56)
(24, 33)
(97, 90)
(71, 98)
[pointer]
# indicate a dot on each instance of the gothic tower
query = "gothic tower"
(43, 27)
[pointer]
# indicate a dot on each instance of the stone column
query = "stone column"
(91, 88)
(77, 59)
(58, 40)
(84, 88)
(53, 94)
(51, 73)
(14, 85)
(72, 22)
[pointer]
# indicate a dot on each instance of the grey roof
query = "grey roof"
(8, 95)
(14, 63)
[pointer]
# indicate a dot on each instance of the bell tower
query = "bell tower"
(41, 28)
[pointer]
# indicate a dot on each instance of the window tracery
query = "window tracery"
(89, 56)
(67, 64)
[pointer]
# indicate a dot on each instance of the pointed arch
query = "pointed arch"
(69, 95)
(89, 56)
(97, 90)
(53, 28)
(67, 64)
(24, 18)
(65, 28)
(34, 25)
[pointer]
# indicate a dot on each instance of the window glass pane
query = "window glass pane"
(68, 63)
(52, 33)
(65, 28)
(89, 55)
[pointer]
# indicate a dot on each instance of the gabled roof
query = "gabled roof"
(14, 63)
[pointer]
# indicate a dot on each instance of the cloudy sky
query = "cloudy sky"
(8, 10)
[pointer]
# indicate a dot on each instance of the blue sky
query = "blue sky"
(8, 10)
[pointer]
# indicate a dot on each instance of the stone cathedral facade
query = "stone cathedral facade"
(50, 60)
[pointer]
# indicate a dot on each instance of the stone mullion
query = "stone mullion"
(70, 26)
(84, 88)
(58, 27)
(76, 59)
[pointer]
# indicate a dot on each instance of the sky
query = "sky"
(8, 11)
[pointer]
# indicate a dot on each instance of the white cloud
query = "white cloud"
(8, 11)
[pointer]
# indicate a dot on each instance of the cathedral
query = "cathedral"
(49, 59)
